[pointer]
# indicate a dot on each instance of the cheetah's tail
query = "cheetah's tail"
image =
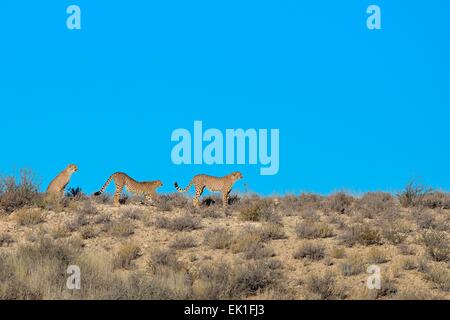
(104, 186)
(185, 189)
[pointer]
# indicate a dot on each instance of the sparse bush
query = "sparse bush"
(338, 253)
(246, 238)
(394, 232)
(183, 241)
(5, 239)
(180, 223)
(424, 219)
(87, 208)
(413, 194)
(88, 232)
(261, 210)
(362, 234)
(60, 231)
(131, 213)
(310, 250)
(27, 217)
(15, 195)
(121, 228)
(125, 255)
(374, 203)
(310, 214)
(376, 256)
(339, 202)
(437, 245)
(323, 285)
(77, 222)
(218, 238)
(102, 218)
(163, 257)
(272, 231)
(440, 276)
(353, 265)
(174, 200)
(410, 263)
(435, 200)
(312, 230)
(257, 251)
(405, 249)
(211, 213)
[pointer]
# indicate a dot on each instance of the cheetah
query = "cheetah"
(59, 183)
(121, 180)
(222, 184)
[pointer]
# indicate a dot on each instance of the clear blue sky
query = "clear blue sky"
(357, 109)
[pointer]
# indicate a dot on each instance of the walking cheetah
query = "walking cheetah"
(122, 180)
(222, 184)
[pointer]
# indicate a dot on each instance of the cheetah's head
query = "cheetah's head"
(72, 168)
(237, 175)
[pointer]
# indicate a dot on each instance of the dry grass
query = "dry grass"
(293, 247)
(27, 217)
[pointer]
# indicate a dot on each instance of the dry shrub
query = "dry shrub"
(376, 256)
(413, 194)
(245, 239)
(310, 250)
(258, 210)
(312, 230)
(437, 245)
(395, 232)
(125, 255)
(353, 265)
(424, 218)
(440, 276)
(104, 198)
(167, 202)
(121, 228)
(435, 200)
(339, 202)
(164, 257)
(257, 251)
(18, 194)
(211, 212)
(218, 238)
(180, 223)
(373, 204)
(338, 253)
(59, 231)
(5, 239)
(410, 263)
(131, 213)
(88, 232)
(183, 241)
(361, 234)
(87, 208)
(323, 285)
(27, 217)
(272, 231)
(235, 281)
(406, 250)
(77, 222)
(102, 218)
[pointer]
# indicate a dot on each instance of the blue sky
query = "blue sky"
(357, 109)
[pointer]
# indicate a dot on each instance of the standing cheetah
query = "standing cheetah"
(222, 184)
(122, 180)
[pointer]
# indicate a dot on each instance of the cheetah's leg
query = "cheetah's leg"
(225, 195)
(119, 189)
(198, 193)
